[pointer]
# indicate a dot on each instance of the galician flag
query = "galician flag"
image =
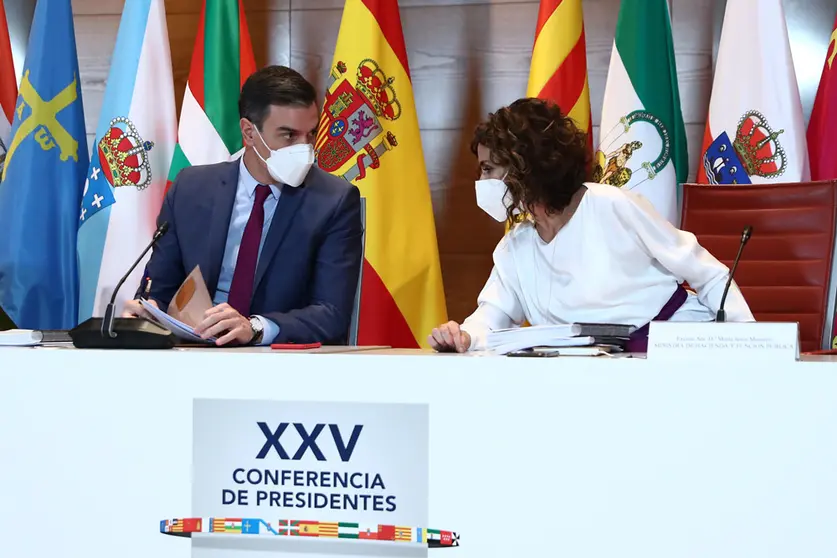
(559, 62)
(642, 143)
(130, 159)
(209, 130)
(755, 132)
(369, 136)
(8, 86)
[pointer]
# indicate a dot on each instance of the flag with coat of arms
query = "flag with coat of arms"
(642, 143)
(369, 136)
(130, 161)
(755, 132)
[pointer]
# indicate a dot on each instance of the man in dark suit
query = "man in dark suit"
(278, 240)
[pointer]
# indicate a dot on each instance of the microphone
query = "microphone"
(107, 322)
(124, 333)
(721, 316)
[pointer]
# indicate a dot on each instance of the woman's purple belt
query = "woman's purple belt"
(638, 341)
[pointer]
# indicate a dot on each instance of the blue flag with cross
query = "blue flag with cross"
(43, 177)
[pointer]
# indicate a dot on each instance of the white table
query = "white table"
(568, 457)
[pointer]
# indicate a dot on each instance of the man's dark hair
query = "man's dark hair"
(273, 85)
(545, 152)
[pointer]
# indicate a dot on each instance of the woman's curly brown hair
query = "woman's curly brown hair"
(545, 152)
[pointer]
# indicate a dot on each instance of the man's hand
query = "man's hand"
(225, 319)
(133, 309)
(448, 337)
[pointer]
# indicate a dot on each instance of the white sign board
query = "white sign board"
(756, 341)
(275, 461)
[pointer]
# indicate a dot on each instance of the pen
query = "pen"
(147, 290)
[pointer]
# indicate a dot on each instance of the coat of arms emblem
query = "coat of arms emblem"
(122, 153)
(621, 160)
(119, 159)
(756, 151)
(353, 137)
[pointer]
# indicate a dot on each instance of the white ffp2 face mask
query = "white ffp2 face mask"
(289, 165)
(494, 198)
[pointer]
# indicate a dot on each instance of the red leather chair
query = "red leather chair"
(785, 270)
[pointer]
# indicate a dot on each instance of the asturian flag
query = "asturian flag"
(8, 85)
(755, 132)
(42, 178)
(130, 160)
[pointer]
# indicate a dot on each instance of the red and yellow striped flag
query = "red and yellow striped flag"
(369, 136)
(559, 61)
(8, 85)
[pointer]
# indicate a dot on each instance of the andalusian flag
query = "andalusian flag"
(642, 143)
(209, 130)
(559, 61)
(8, 85)
(369, 136)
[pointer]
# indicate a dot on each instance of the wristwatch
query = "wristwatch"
(258, 330)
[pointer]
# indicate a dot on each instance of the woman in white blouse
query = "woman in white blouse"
(589, 252)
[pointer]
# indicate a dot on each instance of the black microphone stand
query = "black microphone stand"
(721, 315)
(110, 311)
(111, 332)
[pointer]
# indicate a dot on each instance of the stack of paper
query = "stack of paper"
(504, 341)
(181, 330)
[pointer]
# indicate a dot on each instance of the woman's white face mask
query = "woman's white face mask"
(494, 198)
(289, 165)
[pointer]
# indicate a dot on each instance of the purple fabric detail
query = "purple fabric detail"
(241, 290)
(638, 341)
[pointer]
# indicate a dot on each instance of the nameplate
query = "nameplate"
(771, 341)
(312, 469)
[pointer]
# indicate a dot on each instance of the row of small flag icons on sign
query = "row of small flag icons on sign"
(289, 527)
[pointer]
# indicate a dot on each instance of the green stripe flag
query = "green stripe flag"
(642, 137)
(223, 59)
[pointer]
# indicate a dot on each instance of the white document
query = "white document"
(519, 345)
(20, 338)
(503, 341)
(175, 326)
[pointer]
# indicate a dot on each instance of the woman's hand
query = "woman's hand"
(448, 337)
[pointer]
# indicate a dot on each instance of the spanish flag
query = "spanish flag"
(559, 62)
(369, 136)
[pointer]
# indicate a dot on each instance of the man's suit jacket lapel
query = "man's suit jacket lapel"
(286, 210)
(221, 197)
